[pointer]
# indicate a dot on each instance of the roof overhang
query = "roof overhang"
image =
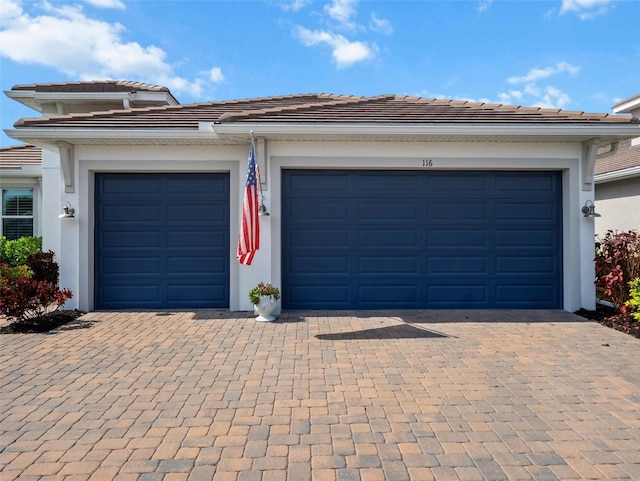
(209, 133)
(616, 175)
(34, 100)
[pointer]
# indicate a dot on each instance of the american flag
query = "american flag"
(249, 238)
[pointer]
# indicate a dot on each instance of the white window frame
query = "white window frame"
(23, 184)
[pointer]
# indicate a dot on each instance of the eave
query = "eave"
(616, 175)
(210, 133)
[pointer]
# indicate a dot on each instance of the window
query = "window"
(17, 213)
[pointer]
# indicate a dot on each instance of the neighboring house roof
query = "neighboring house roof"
(315, 116)
(626, 157)
(625, 161)
(17, 156)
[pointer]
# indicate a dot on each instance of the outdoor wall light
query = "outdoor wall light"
(589, 209)
(67, 211)
(262, 210)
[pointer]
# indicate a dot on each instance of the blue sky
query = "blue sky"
(571, 54)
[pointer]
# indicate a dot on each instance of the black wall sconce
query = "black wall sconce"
(589, 209)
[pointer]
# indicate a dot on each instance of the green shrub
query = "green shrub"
(634, 301)
(15, 252)
(12, 274)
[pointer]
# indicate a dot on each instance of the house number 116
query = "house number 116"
(427, 163)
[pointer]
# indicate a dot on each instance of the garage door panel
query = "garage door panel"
(526, 265)
(133, 187)
(461, 211)
(388, 296)
(319, 211)
(124, 239)
(516, 295)
(527, 238)
(423, 239)
(162, 240)
(458, 293)
(401, 185)
(315, 296)
(130, 296)
(187, 296)
(387, 265)
(192, 239)
(464, 183)
(456, 238)
(531, 187)
(135, 214)
(458, 265)
(386, 238)
(374, 210)
(200, 264)
(127, 265)
(319, 264)
(301, 184)
(525, 213)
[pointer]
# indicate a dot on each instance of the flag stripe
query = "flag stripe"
(249, 237)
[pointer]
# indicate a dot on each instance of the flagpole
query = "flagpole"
(262, 209)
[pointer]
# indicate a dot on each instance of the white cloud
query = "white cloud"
(345, 52)
(586, 9)
(534, 94)
(541, 73)
(215, 74)
(484, 5)
(378, 24)
(342, 11)
(106, 3)
(294, 5)
(64, 38)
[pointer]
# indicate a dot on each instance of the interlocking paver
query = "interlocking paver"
(321, 396)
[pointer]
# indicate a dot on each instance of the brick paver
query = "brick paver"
(321, 396)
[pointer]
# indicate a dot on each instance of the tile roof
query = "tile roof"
(325, 108)
(16, 156)
(91, 86)
(626, 157)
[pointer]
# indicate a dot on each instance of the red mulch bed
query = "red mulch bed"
(610, 317)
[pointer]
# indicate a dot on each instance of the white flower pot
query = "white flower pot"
(265, 307)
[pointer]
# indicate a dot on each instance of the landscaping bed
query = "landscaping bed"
(43, 324)
(610, 317)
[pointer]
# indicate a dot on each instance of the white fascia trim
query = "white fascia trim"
(8, 174)
(617, 175)
(211, 131)
(429, 129)
(71, 134)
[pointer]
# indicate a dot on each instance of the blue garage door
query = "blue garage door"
(162, 241)
(377, 239)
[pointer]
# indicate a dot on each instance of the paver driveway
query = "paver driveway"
(366, 396)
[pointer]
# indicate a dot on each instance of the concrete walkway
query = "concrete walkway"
(321, 396)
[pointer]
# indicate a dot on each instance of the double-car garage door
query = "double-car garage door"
(350, 240)
(380, 239)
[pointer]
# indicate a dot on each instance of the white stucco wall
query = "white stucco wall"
(72, 239)
(618, 203)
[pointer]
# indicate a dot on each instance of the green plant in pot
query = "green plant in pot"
(264, 298)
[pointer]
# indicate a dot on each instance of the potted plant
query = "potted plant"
(264, 298)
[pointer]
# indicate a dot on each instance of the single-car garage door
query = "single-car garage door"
(379, 239)
(162, 240)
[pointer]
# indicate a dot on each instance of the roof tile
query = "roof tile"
(324, 108)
